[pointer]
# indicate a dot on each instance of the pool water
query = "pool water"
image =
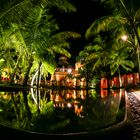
(61, 111)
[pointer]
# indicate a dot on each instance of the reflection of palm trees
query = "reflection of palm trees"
(21, 110)
(103, 111)
(26, 104)
(16, 109)
(61, 99)
(36, 95)
(62, 115)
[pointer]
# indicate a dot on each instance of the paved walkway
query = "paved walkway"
(134, 98)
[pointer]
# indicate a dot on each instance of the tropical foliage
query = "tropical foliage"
(107, 52)
(34, 36)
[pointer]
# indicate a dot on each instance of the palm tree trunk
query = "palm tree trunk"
(15, 107)
(26, 76)
(15, 70)
(138, 55)
(29, 115)
(120, 80)
(38, 77)
(107, 68)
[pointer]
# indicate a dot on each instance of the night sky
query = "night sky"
(87, 12)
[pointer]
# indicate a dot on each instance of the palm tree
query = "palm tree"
(43, 41)
(107, 56)
(120, 59)
(12, 47)
(129, 9)
(130, 13)
(97, 54)
(24, 7)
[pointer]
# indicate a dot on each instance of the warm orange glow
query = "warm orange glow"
(58, 97)
(74, 94)
(77, 109)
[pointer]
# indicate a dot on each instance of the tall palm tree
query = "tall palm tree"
(129, 9)
(107, 57)
(12, 48)
(43, 39)
(130, 12)
(22, 8)
(97, 54)
(120, 59)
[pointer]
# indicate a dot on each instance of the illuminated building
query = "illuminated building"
(66, 75)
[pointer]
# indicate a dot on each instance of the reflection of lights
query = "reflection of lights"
(62, 105)
(58, 97)
(69, 105)
(115, 95)
(82, 82)
(112, 102)
(103, 93)
(74, 80)
(61, 100)
(74, 94)
(77, 109)
(83, 96)
(32, 93)
(104, 102)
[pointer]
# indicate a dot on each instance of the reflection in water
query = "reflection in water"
(61, 111)
(68, 99)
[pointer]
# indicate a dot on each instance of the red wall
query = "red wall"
(127, 79)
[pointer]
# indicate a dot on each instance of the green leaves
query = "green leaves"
(107, 23)
(33, 33)
(18, 10)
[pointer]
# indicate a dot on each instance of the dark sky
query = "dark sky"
(87, 12)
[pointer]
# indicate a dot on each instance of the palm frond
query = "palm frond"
(92, 57)
(17, 10)
(105, 23)
(130, 5)
(128, 63)
(83, 53)
(137, 17)
(60, 50)
(63, 36)
(97, 64)
(48, 67)
(63, 5)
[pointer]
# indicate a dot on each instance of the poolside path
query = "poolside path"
(134, 98)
